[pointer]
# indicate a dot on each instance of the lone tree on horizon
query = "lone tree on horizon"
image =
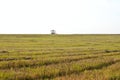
(53, 32)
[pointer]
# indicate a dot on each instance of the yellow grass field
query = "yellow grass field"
(59, 57)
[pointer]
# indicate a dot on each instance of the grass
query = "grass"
(59, 57)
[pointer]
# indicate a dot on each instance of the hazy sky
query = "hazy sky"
(65, 16)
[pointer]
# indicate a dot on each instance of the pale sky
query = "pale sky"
(65, 16)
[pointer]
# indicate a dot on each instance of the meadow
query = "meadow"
(59, 57)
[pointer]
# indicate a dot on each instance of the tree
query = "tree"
(53, 32)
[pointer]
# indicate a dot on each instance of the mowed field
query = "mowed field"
(59, 57)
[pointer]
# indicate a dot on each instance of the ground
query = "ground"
(59, 57)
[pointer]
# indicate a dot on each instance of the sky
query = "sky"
(64, 16)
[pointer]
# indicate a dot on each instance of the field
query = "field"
(59, 57)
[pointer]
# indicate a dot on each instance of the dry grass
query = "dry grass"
(59, 57)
